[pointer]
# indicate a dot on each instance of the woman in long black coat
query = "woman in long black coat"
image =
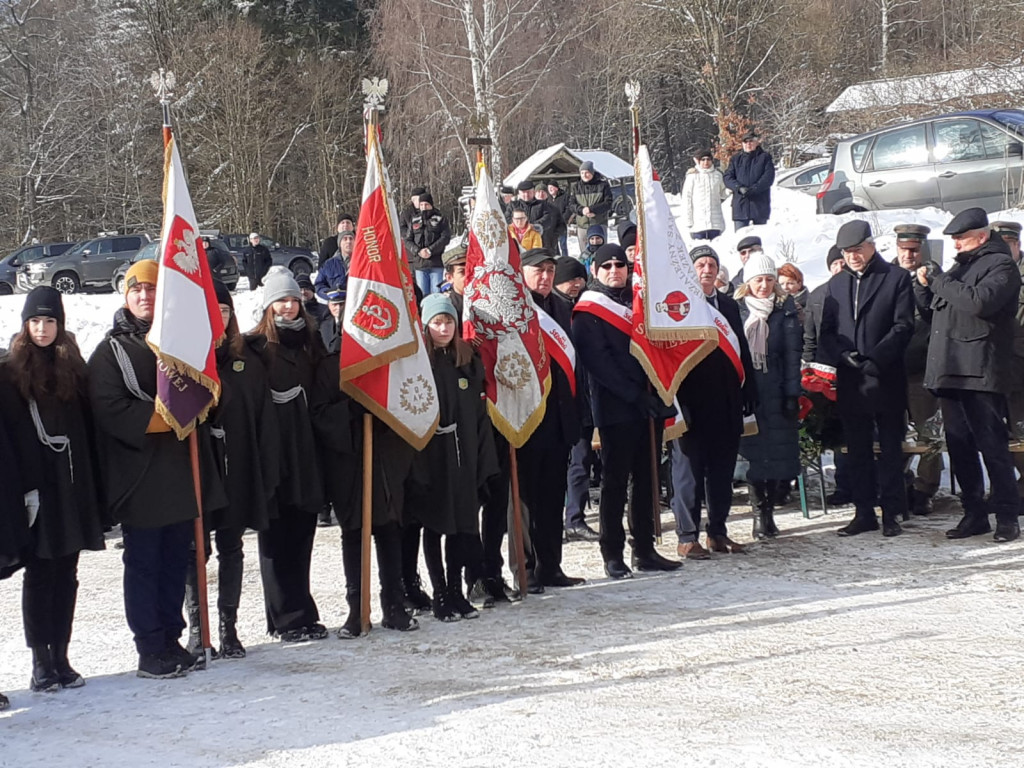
(772, 326)
(293, 352)
(457, 462)
(338, 420)
(246, 420)
(43, 393)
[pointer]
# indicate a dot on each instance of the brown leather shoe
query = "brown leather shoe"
(692, 550)
(725, 545)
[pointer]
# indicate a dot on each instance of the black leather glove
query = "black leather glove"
(853, 360)
(749, 404)
(791, 406)
(657, 409)
(869, 368)
(744, 191)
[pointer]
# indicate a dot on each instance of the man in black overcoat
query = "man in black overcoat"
(970, 353)
(866, 323)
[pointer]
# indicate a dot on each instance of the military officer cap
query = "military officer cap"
(1005, 229)
(454, 255)
(852, 234)
(907, 232)
(966, 221)
(537, 256)
(748, 242)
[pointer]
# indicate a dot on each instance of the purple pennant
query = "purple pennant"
(184, 398)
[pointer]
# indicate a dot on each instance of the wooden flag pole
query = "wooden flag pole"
(163, 83)
(367, 529)
(517, 524)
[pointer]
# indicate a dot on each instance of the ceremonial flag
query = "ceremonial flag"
(499, 316)
(384, 363)
(672, 326)
(187, 325)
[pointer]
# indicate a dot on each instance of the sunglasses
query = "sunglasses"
(612, 265)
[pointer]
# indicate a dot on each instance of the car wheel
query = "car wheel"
(6, 289)
(119, 284)
(301, 267)
(67, 283)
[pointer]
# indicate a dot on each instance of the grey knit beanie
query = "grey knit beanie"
(279, 284)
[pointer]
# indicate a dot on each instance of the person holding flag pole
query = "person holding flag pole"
(384, 368)
(153, 383)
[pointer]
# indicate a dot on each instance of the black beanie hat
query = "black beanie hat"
(567, 268)
(222, 293)
(426, 197)
(43, 301)
(834, 254)
(418, 191)
(610, 252)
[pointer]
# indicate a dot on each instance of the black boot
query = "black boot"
(415, 600)
(758, 492)
(971, 524)
(442, 608)
(920, 503)
(861, 523)
(389, 569)
(230, 646)
(44, 673)
(5, 703)
(195, 638)
(68, 677)
(351, 559)
(890, 526)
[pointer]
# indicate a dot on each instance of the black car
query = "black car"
(223, 263)
(301, 261)
(10, 265)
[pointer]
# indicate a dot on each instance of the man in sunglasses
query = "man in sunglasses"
(622, 405)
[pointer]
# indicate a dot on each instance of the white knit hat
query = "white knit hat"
(758, 264)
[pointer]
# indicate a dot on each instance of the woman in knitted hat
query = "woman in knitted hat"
(251, 443)
(450, 472)
(772, 327)
(293, 350)
(44, 399)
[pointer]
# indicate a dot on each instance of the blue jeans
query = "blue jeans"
(429, 280)
(563, 245)
(707, 234)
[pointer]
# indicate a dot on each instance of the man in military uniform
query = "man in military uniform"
(1010, 232)
(922, 404)
(974, 313)
(454, 260)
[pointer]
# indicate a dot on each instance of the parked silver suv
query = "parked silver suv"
(88, 265)
(956, 161)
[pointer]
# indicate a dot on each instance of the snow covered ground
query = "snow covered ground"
(809, 651)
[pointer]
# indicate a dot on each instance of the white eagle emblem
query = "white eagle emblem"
(187, 256)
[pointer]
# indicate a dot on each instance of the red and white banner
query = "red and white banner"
(728, 343)
(559, 346)
(384, 363)
(673, 329)
(187, 325)
(499, 316)
(613, 313)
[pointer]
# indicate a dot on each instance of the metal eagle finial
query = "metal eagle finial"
(375, 90)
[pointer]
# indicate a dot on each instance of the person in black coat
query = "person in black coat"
(973, 312)
(44, 396)
(715, 400)
(426, 237)
(330, 329)
(750, 176)
(315, 309)
(331, 246)
(451, 473)
(258, 261)
(542, 215)
(771, 326)
(338, 422)
(623, 407)
(866, 323)
(293, 352)
(245, 417)
(589, 202)
(544, 457)
(553, 195)
(147, 479)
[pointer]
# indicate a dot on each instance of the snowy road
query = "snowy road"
(810, 651)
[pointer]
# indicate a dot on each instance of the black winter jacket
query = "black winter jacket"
(430, 230)
(755, 171)
(595, 194)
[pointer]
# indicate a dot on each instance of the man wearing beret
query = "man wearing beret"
(746, 247)
(590, 202)
(716, 402)
(623, 407)
(544, 458)
(750, 176)
(974, 307)
(866, 323)
(911, 245)
(1010, 232)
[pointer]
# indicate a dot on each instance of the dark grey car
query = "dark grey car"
(9, 266)
(89, 265)
(955, 161)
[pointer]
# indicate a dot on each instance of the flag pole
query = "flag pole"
(364, 563)
(163, 83)
(517, 523)
(633, 95)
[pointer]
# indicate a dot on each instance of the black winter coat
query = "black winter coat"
(251, 439)
(561, 205)
(916, 357)
(330, 335)
(17, 477)
(337, 422)
(430, 230)
(618, 383)
(755, 171)
(289, 365)
(774, 452)
(147, 478)
(258, 262)
(872, 314)
(595, 194)
(812, 322)
(973, 311)
(450, 473)
(71, 515)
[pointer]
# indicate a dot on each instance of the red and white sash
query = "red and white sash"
(559, 346)
(612, 312)
(728, 342)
